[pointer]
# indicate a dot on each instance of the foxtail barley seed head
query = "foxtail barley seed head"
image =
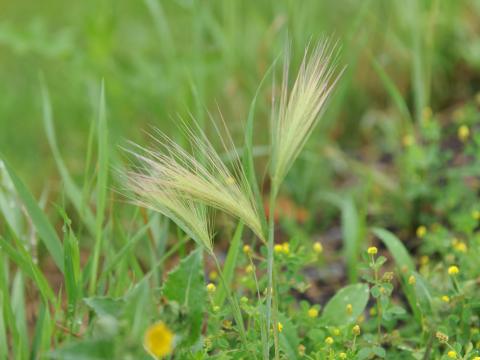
(299, 109)
(180, 185)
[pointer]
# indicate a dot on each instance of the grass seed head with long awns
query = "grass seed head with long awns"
(203, 179)
(299, 110)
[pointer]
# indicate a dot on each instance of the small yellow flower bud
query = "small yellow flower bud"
(463, 133)
(249, 269)
(460, 246)
(317, 248)
(213, 275)
(278, 248)
(452, 354)
(349, 309)
(453, 270)
(247, 249)
(412, 280)
(372, 250)
(421, 231)
(329, 340)
(445, 298)
(286, 248)
(342, 355)
(336, 332)
(424, 260)
(373, 311)
(280, 327)
(211, 288)
(356, 330)
(312, 313)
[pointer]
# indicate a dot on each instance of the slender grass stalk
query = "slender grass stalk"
(237, 314)
(270, 255)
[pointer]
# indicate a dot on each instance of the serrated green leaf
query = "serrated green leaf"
(185, 285)
(335, 312)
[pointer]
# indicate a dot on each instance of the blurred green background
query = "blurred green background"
(163, 58)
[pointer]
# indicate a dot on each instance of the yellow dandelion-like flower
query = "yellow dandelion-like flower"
(421, 231)
(412, 280)
(280, 327)
(312, 313)
(158, 340)
(372, 250)
(453, 270)
(317, 248)
(329, 340)
(445, 298)
(211, 288)
(349, 309)
(356, 330)
(452, 354)
(463, 133)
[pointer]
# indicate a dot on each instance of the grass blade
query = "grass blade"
(44, 229)
(102, 183)
(229, 265)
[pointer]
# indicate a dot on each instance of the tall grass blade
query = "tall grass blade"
(44, 229)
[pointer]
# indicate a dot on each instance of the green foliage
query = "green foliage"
(336, 312)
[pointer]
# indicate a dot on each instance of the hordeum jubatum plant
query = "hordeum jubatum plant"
(184, 185)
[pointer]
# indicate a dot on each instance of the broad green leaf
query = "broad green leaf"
(335, 312)
(230, 264)
(45, 230)
(85, 350)
(186, 286)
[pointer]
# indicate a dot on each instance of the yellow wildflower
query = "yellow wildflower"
(342, 355)
(329, 340)
(278, 248)
(460, 246)
(312, 312)
(372, 250)
(286, 248)
(213, 275)
(336, 332)
(356, 330)
(445, 298)
(421, 231)
(317, 248)
(452, 354)
(247, 249)
(453, 270)
(249, 269)
(158, 340)
(412, 280)
(211, 288)
(463, 133)
(280, 327)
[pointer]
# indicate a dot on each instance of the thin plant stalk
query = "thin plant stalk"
(237, 314)
(270, 263)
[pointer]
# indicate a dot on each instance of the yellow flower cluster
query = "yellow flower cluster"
(453, 270)
(158, 340)
(282, 248)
